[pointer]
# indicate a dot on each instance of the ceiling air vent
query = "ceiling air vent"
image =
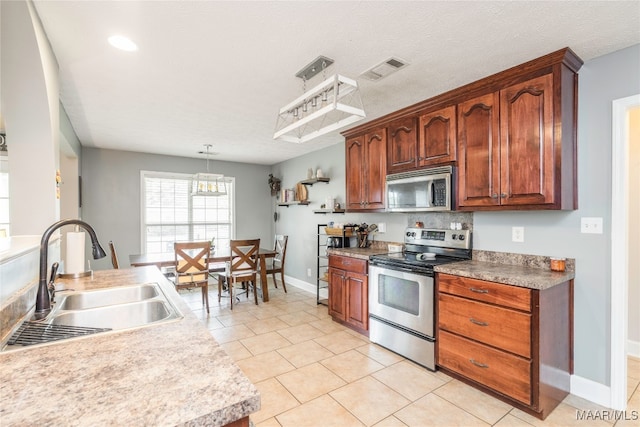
(383, 69)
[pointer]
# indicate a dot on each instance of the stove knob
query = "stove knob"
(408, 234)
(454, 236)
(461, 237)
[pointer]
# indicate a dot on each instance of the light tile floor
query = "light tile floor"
(311, 371)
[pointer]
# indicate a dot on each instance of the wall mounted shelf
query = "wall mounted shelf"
(287, 204)
(314, 180)
(326, 211)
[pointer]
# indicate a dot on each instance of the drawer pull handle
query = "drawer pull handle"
(479, 291)
(478, 364)
(478, 322)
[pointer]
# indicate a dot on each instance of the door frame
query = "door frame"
(619, 248)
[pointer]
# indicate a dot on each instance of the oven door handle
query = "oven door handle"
(395, 268)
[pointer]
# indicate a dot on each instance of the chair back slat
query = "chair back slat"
(191, 258)
(192, 267)
(280, 247)
(244, 257)
(114, 255)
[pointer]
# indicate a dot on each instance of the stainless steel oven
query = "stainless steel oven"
(402, 291)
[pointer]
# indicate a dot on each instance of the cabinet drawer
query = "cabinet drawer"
(503, 372)
(349, 264)
(481, 290)
(497, 326)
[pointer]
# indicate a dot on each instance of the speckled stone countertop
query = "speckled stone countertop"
(361, 253)
(173, 373)
(527, 271)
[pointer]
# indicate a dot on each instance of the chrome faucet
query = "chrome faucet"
(43, 298)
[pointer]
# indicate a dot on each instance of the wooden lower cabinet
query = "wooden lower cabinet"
(512, 342)
(348, 292)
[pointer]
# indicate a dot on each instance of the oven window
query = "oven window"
(398, 293)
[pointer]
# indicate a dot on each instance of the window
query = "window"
(171, 214)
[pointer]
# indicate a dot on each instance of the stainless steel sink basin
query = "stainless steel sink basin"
(104, 297)
(119, 316)
(98, 311)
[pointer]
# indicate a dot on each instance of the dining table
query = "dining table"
(167, 259)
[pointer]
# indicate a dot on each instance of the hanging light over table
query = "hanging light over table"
(208, 184)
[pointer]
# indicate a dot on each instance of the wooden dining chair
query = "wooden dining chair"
(192, 268)
(276, 264)
(242, 268)
(114, 255)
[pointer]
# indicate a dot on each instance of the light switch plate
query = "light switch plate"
(591, 225)
(517, 234)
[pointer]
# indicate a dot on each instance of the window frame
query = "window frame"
(231, 181)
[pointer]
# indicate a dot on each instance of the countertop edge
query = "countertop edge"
(515, 275)
(121, 369)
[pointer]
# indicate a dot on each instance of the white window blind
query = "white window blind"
(171, 214)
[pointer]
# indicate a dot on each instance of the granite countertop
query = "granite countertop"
(360, 253)
(173, 373)
(510, 274)
(527, 271)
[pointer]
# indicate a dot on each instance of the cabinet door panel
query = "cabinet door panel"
(337, 294)
(504, 372)
(357, 301)
(437, 143)
(402, 152)
(479, 151)
(526, 121)
(375, 162)
(354, 169)
(490, 292)
(499, 327)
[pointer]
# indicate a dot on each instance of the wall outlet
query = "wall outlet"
(591, 225)
(382, 227)
(517, 234)
(308, 272)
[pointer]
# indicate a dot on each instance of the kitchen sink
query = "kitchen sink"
(103, 297)
(118, 316)
(80, 313)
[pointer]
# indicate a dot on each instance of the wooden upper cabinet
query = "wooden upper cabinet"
(354, 173)
(375, 169)
(507, 150)
(402, 147)
(366, 164)
(437, 137)
(512, 136)
(479, 151)
(527, 146)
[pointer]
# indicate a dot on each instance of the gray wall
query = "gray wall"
(546, 233)
(111, 196)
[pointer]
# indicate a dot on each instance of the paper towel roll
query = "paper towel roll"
(74, 262)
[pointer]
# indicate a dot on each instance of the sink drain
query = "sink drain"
(30, 333)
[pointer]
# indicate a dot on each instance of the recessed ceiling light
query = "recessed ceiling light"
(123, 43)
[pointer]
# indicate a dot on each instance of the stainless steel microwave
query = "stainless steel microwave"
(420, 191)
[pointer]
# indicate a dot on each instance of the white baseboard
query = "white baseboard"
(591, 390)
(305, 286)
(633, 348)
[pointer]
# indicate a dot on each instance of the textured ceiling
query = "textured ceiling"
(217, 72)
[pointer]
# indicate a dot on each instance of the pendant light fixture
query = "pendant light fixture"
(329, 106)
(208, 184)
